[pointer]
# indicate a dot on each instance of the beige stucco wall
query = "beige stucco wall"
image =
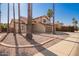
(23, 28)
(16, 27)
(38, 28)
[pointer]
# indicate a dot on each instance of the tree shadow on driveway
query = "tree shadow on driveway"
(4, 37)
(39, 47)
(16, 43)
(4, 53)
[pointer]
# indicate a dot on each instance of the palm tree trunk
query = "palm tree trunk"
(0, 12)
(29, 17)
(8, 18)
(19, 30)
(0, 17)
(14, 17)
(53, 18)
(29, 26)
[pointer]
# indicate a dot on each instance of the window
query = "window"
(44, 20)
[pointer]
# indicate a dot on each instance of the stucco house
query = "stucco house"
(39, 24)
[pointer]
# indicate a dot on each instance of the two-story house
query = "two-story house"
(39, 24)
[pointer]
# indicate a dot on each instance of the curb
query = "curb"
(25, 46)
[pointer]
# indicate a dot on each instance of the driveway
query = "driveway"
(19, 45)
(67, 47)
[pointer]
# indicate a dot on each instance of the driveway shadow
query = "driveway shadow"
(4, 53)
(18, 51)
(16, 43)
(4, 37)
(39, 47)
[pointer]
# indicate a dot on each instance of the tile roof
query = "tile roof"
(23, 20)
(42, 17)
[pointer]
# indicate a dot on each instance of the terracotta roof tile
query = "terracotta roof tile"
(23, 20)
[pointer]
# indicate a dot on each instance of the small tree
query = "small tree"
(0, 28)
(3, 27)
(74, 22)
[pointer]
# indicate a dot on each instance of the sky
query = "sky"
(38, 9)
(64, 12)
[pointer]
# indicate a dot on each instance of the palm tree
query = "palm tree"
(0, 17)
(0, 12)
(29, 26)
(8, 18)
(74, 22)
(19, 30)
(54, 18)
(14, 17)
(50, 14)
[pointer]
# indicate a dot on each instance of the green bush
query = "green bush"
(3, 27)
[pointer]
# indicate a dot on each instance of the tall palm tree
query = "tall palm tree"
(8, 18)
(19, 30)
(0, 12)
(54, 19)
(50, 14)
(29, 26)
(0, 17)
(74, 22)
(14, 17)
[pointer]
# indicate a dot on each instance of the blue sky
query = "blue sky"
(63, 12)
(38, 10)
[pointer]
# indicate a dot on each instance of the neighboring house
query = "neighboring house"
(62, 27)
(39, 24)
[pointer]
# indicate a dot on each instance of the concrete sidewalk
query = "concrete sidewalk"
(66, 47)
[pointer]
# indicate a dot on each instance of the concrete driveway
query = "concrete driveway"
(67, 47)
